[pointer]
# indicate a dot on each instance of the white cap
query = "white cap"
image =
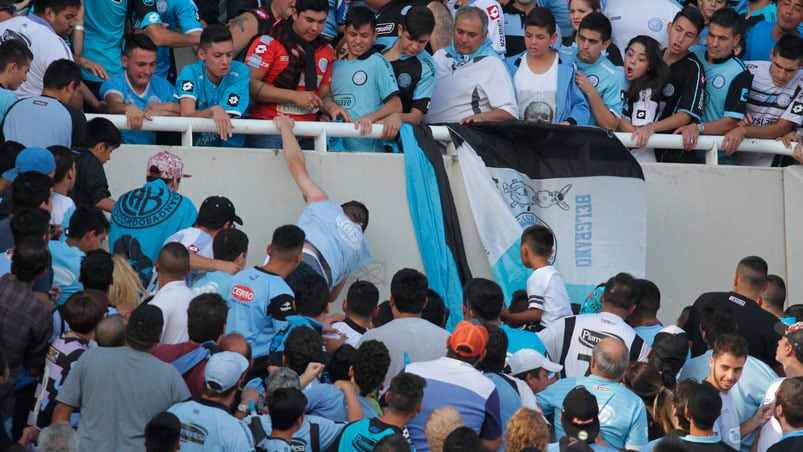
(224, 370)
(528, 359)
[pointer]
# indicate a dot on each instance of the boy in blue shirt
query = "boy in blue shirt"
(15, 60)
(215, 87)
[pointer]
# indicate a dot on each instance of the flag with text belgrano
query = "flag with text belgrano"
(580, 182)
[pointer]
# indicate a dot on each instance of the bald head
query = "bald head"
(110, 331)
(610, 358)
(235, 342)
(173, 263)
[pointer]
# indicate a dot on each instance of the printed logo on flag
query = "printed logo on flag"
(493, 12)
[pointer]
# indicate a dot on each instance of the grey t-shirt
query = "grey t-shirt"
(118, 390)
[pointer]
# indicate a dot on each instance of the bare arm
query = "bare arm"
(105, 204)
(62, 413)
(243, 28)
(163, 37)
(530, 315)
(296, 163)
(352, 402)
(204, 263)
(216, 112)
(442, 34)
(604, 116)
(491, 444)
(265, 92)
(642, 134)
(494, 115)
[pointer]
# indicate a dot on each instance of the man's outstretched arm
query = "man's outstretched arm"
(295, 161)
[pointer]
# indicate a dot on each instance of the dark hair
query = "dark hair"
(97, 270)
(541, 17)
(287, 242)
(84, 309)
(14, 51)
(409, 290)
(788, 398)
(645, 381)
(789, 47)
(356, 211)
(392, 443)
(311, 295)
(732, 344)
(359, 16)
(228, 244)
(462, 439)
(61, 73)
(162, 433)
(406, 392)
(214, 34)
(716, 321)
(680, 396)
(495, 351)
(704, 405)
(144, 327)
(752, 271)
(320, 6)
(435, 312)
(30, 190)
(657, 74)
(593, 4)
(693, 15)
(775, 295)
(138, 41)
(101, 130)
(362, 298)
(64, 161)
(56, 5)
(340, 363)
(796, 311)
(30, 259)
(87, 219)
(728, 18)
(206, 317)
(649, 298)
(596, 21)
(621, 291)
(8, 154)
(518, 302)
(484, 297)
(419, 21)
(33, 222)
(370, 366)
(302, 346)
(538, 239)
(286, 405)
(174, 260)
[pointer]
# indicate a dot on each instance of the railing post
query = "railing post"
(712, 155)
(321, 141)
(186, 136)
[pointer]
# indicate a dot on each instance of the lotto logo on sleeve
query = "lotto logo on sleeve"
(797, 108)
(187, 86)
(242, 293)
(493, 12)
(233, 100)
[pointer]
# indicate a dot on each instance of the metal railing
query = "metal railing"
(321, 131)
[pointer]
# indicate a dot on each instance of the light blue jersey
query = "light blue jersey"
(66, 268)
(335, 18)
(231, 94)
(727, 83)
(158, 91)
(207, 425)
(362, 86)
(759, 42)
(214, 282)
(7, 98)
(609, 82)
(519, 339)
(326, 401)
(180, 16)
(560, 9)
(622, 415)
(324, 430)
(648, 333)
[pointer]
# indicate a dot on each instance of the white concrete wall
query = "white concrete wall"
(701, 219)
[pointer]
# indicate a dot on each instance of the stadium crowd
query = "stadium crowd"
(167, 340)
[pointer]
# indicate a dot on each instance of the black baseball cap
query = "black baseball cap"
(580, 415)
(218, 208)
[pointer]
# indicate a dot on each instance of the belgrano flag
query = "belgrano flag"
(580, 182)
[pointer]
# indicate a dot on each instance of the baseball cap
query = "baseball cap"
(670, 347)
(793, 333)
(168, 165)
(528, 359)
(218, 208)
(32, 159)
(580, 415)
(468, 339)
(223, 370)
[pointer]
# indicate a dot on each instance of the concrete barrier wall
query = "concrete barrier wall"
(701, 219)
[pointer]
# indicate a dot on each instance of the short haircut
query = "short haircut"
(357, 212)
(484, 297)
(228, 244)
(775, 295)
(362, 298)
(30, 190)
(214, 34)
(406, 392)
(287, 242)
(789, 47)
(64, 160)
(704, 405)
(796, 311)
(8, 154)
(110, 331)
(409, 290)
(392, 443)
(340, 363)
(58, 437)
(518, 302)
(716, 321)
(728, 18)
(788, 397)
(752, 271)
(56, 5)
(206, 317)
(597, 22)
(286, 405)
(495, 351)
(462, 439)
(370, 366)
(162, 433)
(138, 41)
(61, 73)
(680, 396)
(320, 6)
(538, 239)
(101, 130)
(732, 344)
(33, 222)
(419, 21)
(302, 346)
(611, 361)
(435, 311)
(311, 295)
(693, 15)
(542, 18)
(87, 219)
(30, 259)
(174, 260)
(84, 309)
(360, 16)
(649, 297)
(621, 291)
(14, 51)
(97, 270)
(473, 11)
